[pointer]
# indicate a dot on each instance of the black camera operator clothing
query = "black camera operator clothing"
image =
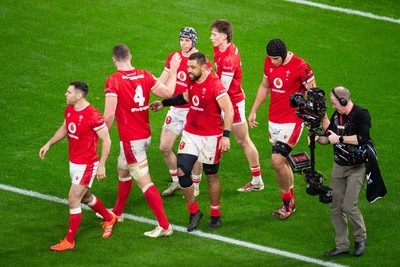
(347, 177)
(357, 122)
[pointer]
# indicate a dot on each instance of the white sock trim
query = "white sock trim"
(75, 211)
(93, 202)
(124, 179)
(144, 189)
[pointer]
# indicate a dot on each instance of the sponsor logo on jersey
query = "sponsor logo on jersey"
(140, 109)
(71, 130)
(278, 83)
(72, 127)
(181, 76)
(127, 77)
(196, 102)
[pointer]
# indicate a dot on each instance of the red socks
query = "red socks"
(75, 218)
(124, 189)
(154, 200)
(193, 207)
(215, 210)
(98, 207)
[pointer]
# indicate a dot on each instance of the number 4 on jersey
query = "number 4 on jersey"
(139, 98)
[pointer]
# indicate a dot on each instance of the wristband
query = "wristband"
(341, 139)
(226, 133)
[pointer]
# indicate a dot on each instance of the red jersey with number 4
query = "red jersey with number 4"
(82, 126)
(132, 87)
(228, 63)
(287, 79)
(204, 116)
(182, 77)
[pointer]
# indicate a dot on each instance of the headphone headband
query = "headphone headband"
(342, 100)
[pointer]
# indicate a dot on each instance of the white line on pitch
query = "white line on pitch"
(183, 229)
(345, 10)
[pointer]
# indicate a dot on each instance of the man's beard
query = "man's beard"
(195, 77)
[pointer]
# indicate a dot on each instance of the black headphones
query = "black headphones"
(342, 100)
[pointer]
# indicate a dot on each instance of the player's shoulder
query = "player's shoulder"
(296, 60)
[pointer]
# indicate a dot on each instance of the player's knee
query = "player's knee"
(282, 149)
(185, 163)
(185, 181)
(139, 170)
(165, 149)
(210, 169)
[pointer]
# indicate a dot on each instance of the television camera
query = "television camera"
(311, 109)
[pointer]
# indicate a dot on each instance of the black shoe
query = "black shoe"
(335, 252)
(214, 222)
(194, 219)
(359, 248)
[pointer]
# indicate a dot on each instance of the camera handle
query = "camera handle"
(312, 134)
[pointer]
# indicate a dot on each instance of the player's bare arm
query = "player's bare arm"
(164, 76)
(262, 93)
(226, 106)
(59, 134)
(109, 110)
(167, 90)
(104, 136)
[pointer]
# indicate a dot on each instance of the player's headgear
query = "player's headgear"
(190, 33)
(276, 47)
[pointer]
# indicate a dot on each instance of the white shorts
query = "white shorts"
(239, 113)
(288, 133)
(176, 119)
(133, 152)
(205, 148)
(83, 174)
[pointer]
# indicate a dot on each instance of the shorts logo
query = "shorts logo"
(168, 120)
(278, 83)
(181, 76)
(72, 127)
(182, 145)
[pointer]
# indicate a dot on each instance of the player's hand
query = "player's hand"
(175, 62)
(252, 120)
(101, 173)
(224, 144)
(156, 106)
(44, 150)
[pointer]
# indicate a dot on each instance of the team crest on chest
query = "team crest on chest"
(287, 74)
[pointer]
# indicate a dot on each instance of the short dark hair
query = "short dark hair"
(80, 86)
(224, 26)
(121, 52)
(200, 57)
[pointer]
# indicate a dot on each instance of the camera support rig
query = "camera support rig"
(311, 111)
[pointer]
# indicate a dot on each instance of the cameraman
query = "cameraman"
(349, 132)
